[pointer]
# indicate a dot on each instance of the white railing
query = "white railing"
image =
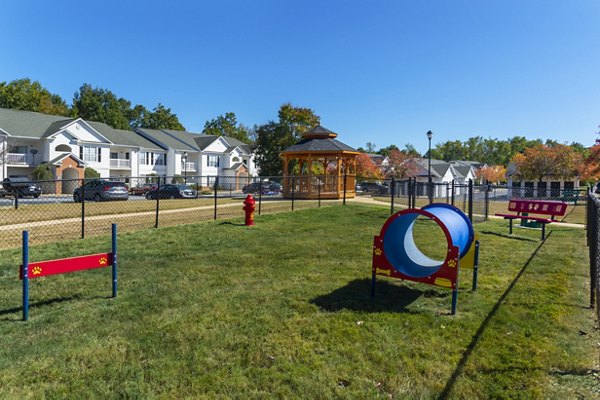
(188, 167)
(19, 159)
(120, 163)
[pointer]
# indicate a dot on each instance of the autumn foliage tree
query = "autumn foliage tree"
(541, 161)
(590, 168)
(366, 168)
(493, 173)
(402, 165)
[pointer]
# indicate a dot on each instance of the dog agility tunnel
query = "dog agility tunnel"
(399, 245)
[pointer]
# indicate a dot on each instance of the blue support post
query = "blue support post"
(476, 266)
(455, 290)
(374, 279)
(25, 276)
(114, 260)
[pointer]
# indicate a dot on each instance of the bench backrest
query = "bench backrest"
(546, 207)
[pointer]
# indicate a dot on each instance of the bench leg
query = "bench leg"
(510, 226)
(543, 231)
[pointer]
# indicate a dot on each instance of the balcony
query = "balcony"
(19, 159)
(120, 163)
(188, 167)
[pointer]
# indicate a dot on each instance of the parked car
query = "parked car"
(171, 191)
(141, 190)
(21, 187)
(2, 191)
(101, 190)
(373, 187)
(267, 188)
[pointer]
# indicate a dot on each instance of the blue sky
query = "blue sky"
(375, 71)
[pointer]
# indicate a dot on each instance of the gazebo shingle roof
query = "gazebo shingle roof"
(319, 145)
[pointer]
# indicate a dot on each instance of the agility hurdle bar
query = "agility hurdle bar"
(64, 265)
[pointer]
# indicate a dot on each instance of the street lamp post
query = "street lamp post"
(430, 186)
(185, 167)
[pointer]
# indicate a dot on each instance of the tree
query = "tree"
(42, 172)
(274, 137)
(226, 125)
(297, 119)
(410, 150)
(161, 118)
(402, 165)
(22, 94)
(96, 104)
(450, 150)
(90, 173)
(366, 168)
(590, 168)
(493, 173)
(542, 161)
(269, 143)
(385, 151)
(371, 147)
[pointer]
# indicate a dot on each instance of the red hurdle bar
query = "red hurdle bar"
(65, 265)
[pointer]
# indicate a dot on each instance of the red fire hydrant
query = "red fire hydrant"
(249, 209)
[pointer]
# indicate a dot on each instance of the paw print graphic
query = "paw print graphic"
(36, 270)
(377, 252)
(452, 263)
(102, 261)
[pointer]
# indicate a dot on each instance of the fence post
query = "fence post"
(82, 208)
(487, 201)
(344, 187)
(157, 202)
(293, 191)
(409, 191)
(319, 192)
(414, 193)
(453, 187)
(216, 193)
(447, 193)
(393, 188)
(259, 194)
(471, 200)
(16, 194)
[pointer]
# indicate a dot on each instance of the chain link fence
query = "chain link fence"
(68, 209)
(593, 241)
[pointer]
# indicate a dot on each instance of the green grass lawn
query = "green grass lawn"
(282, 309)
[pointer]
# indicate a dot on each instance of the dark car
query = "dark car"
(141, 190)
(264, 187)
(2, 191)
(372, 187)
(21, 187)
(171, 191)
(101, 190)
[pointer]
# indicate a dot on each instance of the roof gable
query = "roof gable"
(78, 129)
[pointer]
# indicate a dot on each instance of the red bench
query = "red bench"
(524, 209)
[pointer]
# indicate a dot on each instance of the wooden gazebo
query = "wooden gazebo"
(319, 165)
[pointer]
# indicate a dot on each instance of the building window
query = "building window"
(212, 161)
(150, 158)
(90, 154)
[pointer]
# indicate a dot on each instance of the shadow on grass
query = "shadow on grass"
(463, 361)
(35, 305)
(231, 223)
(507, 236)
(356, 296)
